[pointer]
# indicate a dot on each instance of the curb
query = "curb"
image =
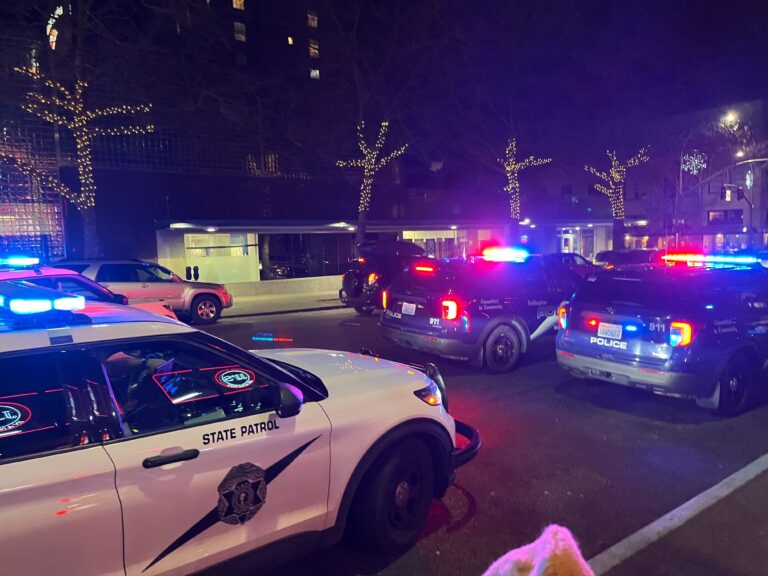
(278, 312)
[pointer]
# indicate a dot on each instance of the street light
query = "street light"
(730, 118)
(740, 154)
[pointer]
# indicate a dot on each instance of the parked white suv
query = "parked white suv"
(133, 444)
(198, 302)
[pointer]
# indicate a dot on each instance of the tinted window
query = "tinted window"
(166, 385)
(76, 286)
(157, 273)
(117, 273)
(39, 410)
(635, 292)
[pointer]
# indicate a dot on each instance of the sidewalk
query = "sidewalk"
(277, 304)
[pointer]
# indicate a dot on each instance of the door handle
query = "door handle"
(182, 456)
(144, 285)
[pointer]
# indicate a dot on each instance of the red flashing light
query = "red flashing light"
(424, 269)
(372, 277)
(609, 266)
(562, 317)
(450, 309)
(680, 334)
(384, 299)
(592, 322)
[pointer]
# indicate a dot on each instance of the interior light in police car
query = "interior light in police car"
(505, 254)
(680, 334)
(19, 261)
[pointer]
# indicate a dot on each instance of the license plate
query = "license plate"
(409, 308)
(612, 331)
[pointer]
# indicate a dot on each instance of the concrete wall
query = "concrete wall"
(287, 286)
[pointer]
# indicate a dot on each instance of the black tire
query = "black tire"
(206, 309)
(736, 385)
(502, 350)
(392, 503)
(364, 310)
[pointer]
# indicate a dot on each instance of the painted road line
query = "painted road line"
(659, 528)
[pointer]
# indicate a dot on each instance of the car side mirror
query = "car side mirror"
(289, 400)
(121, 299)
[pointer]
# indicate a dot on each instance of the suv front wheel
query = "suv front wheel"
(206, 309)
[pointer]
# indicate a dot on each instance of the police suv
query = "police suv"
(133, 444)
(698, 329)
(487, 310)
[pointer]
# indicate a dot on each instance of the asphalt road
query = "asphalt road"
(602, 460)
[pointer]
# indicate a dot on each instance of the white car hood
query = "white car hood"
(349, 373)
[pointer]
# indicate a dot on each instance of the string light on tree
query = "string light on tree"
(10, 157)
(64, 107)
(512, 168)
(694, 162)
(370, 162)
(614, 179)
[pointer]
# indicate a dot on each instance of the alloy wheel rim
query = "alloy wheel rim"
(405, 499)
(502, 349)
(206, 310)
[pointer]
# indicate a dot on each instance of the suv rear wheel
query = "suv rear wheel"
(364, 310)
(736, 386)
(393, 502)
(205, 309)
(502, 350)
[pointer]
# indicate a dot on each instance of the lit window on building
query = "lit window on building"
(290, 40)
(240, 32)
(314, 73)
(314, 49)
(312, 19)
(238, 4)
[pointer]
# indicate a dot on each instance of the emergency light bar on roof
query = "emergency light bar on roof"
(19, 261)
(505, 254)
(710, 259)
(25, 298)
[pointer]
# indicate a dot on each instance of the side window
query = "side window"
(39, 411)
(81, 288)
(117, 273)
(169, 385)
(155, 273)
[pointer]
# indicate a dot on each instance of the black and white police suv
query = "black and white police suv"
(487, 310)
(133, 444)
(690, 331)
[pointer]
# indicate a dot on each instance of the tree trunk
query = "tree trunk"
(266, 265)
(91, 244)
(362, 216)
(618, 234)
(513, 233)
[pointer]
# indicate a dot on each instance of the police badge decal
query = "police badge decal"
(242, 493)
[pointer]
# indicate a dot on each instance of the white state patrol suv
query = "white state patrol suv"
(133, 444)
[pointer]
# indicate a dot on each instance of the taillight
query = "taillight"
(424, 269)
(361, 260)
(562, 317)
(384, 299)
(372, 278)
(680, 333)
(450, 309)
(592, 322)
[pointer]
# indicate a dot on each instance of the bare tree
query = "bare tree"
(613, 187)
(371, 162)
(512, 168)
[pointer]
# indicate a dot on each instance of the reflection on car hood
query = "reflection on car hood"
(348, 372)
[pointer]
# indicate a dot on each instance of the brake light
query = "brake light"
(592, 322)
(450, 309)
(384, 299)
(680, 334)
(424, 269)
(361, 260)
(562, 317)
(609, 266)
(372, 278)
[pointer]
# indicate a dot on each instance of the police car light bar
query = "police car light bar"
(704, 259)
(19, 261)
(19, 297)
(505, 254)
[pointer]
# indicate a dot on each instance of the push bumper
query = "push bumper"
(461, 456)
(665, 383)
(444, 347)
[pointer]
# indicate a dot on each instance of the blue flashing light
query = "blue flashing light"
(705, 259)
(505, 254)
(270, 337)
(69, 303)
(710, 306)
(29, 306)
(19, 261)
(630, 328)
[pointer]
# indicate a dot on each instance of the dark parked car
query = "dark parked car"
(574, 262)
(377, 266)
(629, 259)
